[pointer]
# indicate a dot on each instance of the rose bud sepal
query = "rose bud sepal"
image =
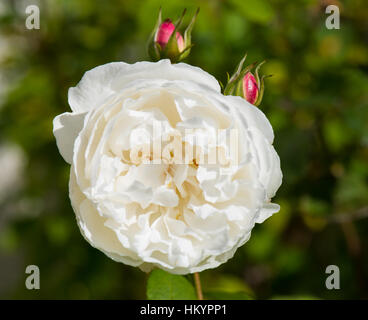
(260, 83)
(188, 37)
(153, 47)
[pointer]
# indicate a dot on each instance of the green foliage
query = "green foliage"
(162, 285)
(226, 287)
(256, 11)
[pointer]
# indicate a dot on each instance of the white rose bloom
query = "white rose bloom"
(151, 211)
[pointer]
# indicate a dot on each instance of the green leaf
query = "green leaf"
(218, 295)
(165, 286)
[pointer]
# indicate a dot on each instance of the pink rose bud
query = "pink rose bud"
(164, 33)
(180, 40)
(250, 88)
(244, 84)
(163, 44)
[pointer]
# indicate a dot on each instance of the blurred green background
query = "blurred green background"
(317, 102)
